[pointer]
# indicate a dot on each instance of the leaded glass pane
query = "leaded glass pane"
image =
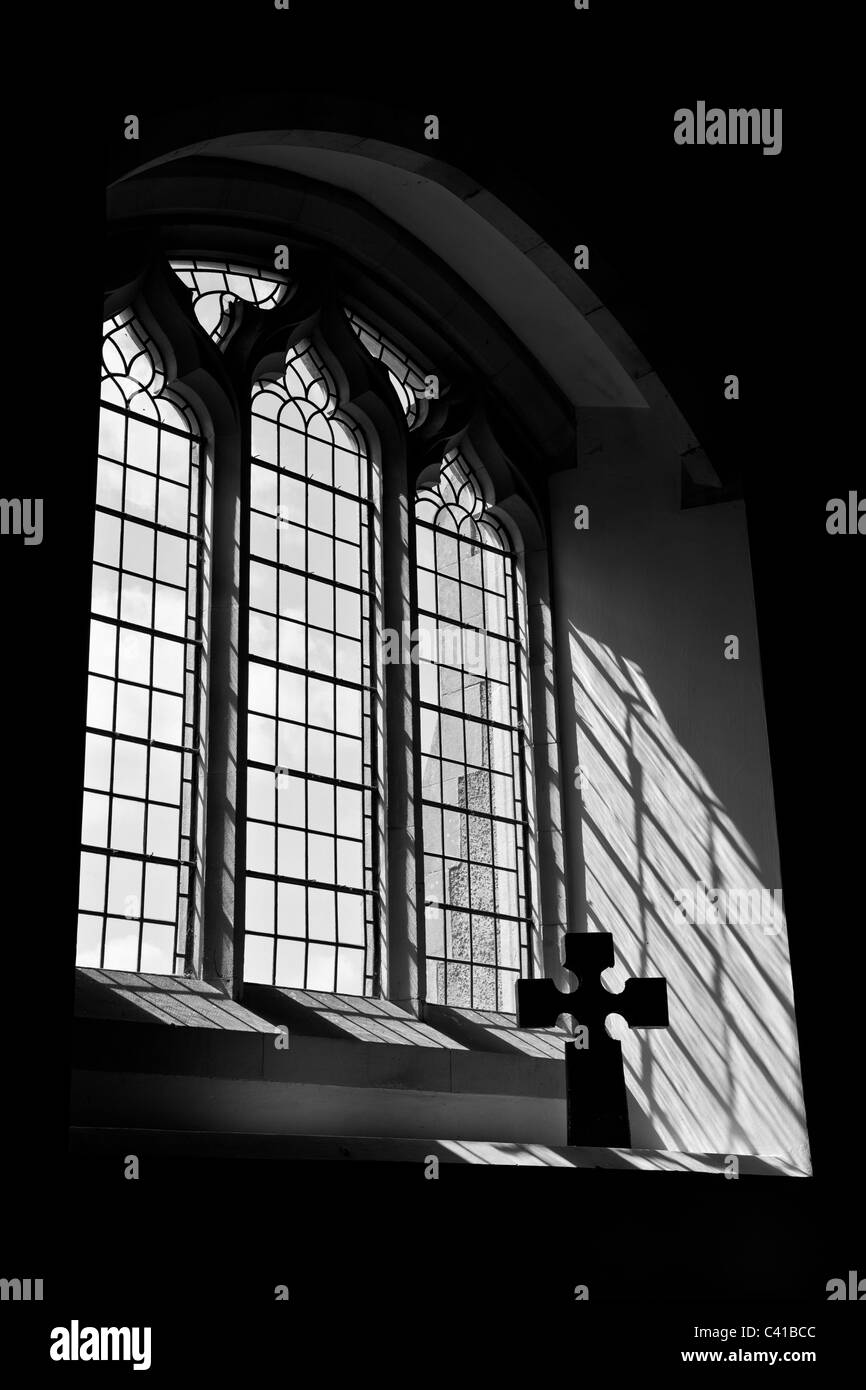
(407, 379)
(141, 782)
(470, 731)
(216, 289)
(313, 725)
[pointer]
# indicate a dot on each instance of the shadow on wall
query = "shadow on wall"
(725, 1075)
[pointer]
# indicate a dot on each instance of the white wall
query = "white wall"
(672, 741)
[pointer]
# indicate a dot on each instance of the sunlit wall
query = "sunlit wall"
(673, 796)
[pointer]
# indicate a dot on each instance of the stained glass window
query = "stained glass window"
(470, 732)
(216, 288)
(142, 755)
(313, 721)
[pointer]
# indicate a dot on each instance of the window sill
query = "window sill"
(191, 1027)
(175, 1060)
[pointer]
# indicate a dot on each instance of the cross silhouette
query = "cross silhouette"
(595, 1083)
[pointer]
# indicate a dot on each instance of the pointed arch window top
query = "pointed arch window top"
(304, 380)
(298, 424)
(134, 378)
(216, 289)
(455, 503)
(306, 377)
(406, 378)
(304, 389)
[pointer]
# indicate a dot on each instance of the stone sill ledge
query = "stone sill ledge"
(176, 1057)
(181, 1001)
(139, 1025)
(105, 1045)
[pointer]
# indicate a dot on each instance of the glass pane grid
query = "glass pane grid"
(470, 732)
(142, 667)
(311, 901)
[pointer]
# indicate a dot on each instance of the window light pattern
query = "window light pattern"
(140, 807)
(216, 288)
(314, 721)
(407, 380)
(470, 731)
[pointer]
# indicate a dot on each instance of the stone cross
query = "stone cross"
(595, 1083)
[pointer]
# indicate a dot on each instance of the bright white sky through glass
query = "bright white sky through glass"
(139, 774)
(310, 897)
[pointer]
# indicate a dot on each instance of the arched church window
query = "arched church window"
(311, 903)
(299, 828)
(471, 741)
(139, 835)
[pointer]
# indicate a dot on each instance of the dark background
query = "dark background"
(715, 260)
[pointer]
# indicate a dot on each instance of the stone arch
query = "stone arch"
(585, 353)
(522, 278)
